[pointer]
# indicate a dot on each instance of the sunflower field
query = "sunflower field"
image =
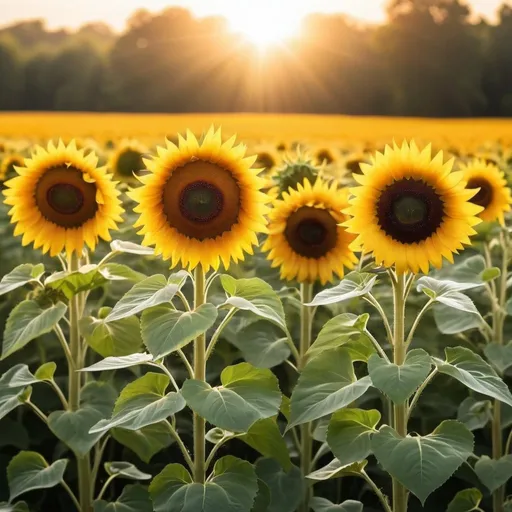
(244, 313)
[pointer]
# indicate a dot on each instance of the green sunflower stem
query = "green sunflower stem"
(306, 439)
(75, 387)
(199, 374)
(498, 496)
(400, 494)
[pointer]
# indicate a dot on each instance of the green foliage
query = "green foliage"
(134, 498)
(465, 501)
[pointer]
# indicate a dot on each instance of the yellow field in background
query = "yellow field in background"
(268, 127)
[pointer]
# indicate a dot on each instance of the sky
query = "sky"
(73, 13)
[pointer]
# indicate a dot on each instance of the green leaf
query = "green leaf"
(232, 488)
(500, 356)
(494, 473)
(46, 371)
(453, 321)
(112, 339)
(20, 276)
(335, 469)
(323, 505)
(134, 498)
(423, 463)
(254, 295)
(118, 272)
(473, 270)
(28, 471)
(142, 403)
(72, 427)
(470, 369)
(150, 292)
(348, 331)
(399, 382)
(261, 344)
(265, 437)
(448, 293)
(27, 322)
(326, 384)
(18, 376)
(465, 501)
(474, 413)
(10, 398)
(262, 500)
(146, 441)
(246, 395)
(165, 330)
(349, 434)
(489, 274)
(116, 363)
(130, 248)
(286, 488)
(21, 506)
(125, 470)
(354, 285)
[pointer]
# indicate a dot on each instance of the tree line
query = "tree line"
(430, 58)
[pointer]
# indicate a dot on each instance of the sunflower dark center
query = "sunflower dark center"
(65, 198)
(311, 232)
(129, 162)
(484, 196)
(410, 211)
(201, 201)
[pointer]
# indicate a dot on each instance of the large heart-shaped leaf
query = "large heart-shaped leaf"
(326, 384)
(349, 434)
(232, 488)
(286, 488)
(20, 276)
(474, 413)
(125, 470)
(262, 500)
(134, 498)
(254, 295)
(150, 292)
(165, 330)
(470, 369)
(448, 293)
(141, 403)
(27, 321)
(246, 395)
(10, 398)
(472, 270)
(354, 285)
(500, 356)
(18, 376)
(265, 437)
(72, 427)
(28, 471)
(399, 382)
(454, 321)
(323, 505)
(348, 331)
(146, 441)
(116, 363)
(335, 469)
(465, 501)
(494, 473)
(112, 339)
(423, 463)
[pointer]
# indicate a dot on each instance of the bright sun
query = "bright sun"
(264, 27)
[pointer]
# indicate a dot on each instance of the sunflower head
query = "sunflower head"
(201, 202)
(294, 171)
(410, 210)
(8, 166)
(127, 161)
(493, 193)
(306, 240)
(325, 156)
(60, 200)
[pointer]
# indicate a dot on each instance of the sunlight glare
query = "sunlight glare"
(264, 26)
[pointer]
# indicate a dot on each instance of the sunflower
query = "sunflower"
(305, 238)
(8, 167)
(493, 194)
(61, 200)
(410, 209)
(201, 202)
(127, 161)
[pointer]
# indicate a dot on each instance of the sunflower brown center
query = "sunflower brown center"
(311, 232)
(129, 162)
(64, 198)
(484, 196)
(410, 211)
(201, 200)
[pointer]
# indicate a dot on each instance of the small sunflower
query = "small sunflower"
(305, 238)
(201, 202)
(61, 200)
(410, 209)
(8, 167)
(494, 195)
(127, 161)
